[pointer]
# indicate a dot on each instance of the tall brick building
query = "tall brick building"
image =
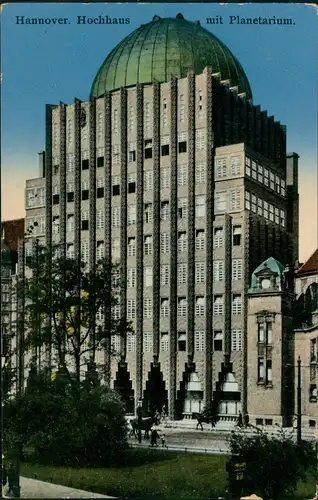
(171, 170)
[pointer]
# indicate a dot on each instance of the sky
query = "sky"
(46, 64)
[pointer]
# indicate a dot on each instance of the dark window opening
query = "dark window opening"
(84, 225)
(70, 197)
(182, 344)
(100, 192)
(182, 147)
(259, 421)
(132, 156)
(85, 194)
(116, 190)
(131, 187)
(56, 199)
(100, 161)
(268, 421)
(218, 345)
(56, 169)
(85, 164)
(312, 423)
(165, 150)
(148, 153)
(237, 235)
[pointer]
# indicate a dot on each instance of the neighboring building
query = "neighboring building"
(306, 337)
(171, 170)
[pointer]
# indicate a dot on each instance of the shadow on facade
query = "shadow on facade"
(155, 395)
(123, 386)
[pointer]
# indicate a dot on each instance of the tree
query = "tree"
(55, 427)
(62, 301)
(274, 465)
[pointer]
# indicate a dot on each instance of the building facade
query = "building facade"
(172, 171)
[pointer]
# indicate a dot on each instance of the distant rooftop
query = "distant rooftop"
(310, 266)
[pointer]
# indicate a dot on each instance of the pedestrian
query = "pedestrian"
(4, 477)
(163, 441)
(240, 420)
(153, 438)
(246, 419)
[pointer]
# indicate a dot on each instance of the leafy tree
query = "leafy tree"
(62, 300)
(51, 425)
(274, 465)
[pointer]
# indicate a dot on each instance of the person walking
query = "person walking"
(240, 420)
(153, 438)
(163, 441)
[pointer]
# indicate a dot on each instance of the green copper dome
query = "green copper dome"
(167, 48)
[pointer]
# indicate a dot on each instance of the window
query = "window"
(200, 306)
(70, 251)
(265, 209)
(100, 161)
(182, 241)
(132, 246)
(260, 333)
(147, 341)
(165, 151)
(164, 308)
(199, 341)
(247, 200)
(116, 344)
(115, 216)
(182, 273)
(235, 165)
(164, 341)
(181, 108)
(70, 223)
(282, 218)
(237, 304)
(200, 239)
(131, 118)
(259, 206)
(221, 201)
(200, 173)
(200, 140)
(254, 170)
(313, 394)
(164, 112)
(182, 142)
(131, 152)
(266, 177)
(56, 225)
(221, 168)
(147, 276)
(268, 421)
(100, 250)
(131, 277)
(131, 215)
(165, 274)
(56, 196)
(100, 221)
(313, 350)
(116, 185)
(200, 272)
(148, 180)
(69, 132)
(182, 175)
(131, 183)
(148, 212)
(271, 212)
(115, 121)
(260, 174)
(272, 181)
(237, 235)
(148, 245)
(260, 370)
(85, 251)
(84, 217)
(116, 311)
(236, 269)
(269, 333)
(254, 200)
(100, 188)
(182, 208)
(236, 340)
(85, 160)
(182, 341)
(56, 169)
(235, 199)
(200, 206)
(182, 306)
(218, 237)
(85, 191)
(269, 378)
(131, 342)
(148, 149)
(148, 308)
(218, 270)
(164, 243)
(282, 187)
(218, 340)
(164, 178)
(276, 215)
(259, 421)
(277, 184)
(164, 210)
(131, 309)
(248, 166)
(147, 114)
(99, 125)
(218, 304)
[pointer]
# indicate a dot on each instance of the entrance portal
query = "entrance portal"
(155, 395)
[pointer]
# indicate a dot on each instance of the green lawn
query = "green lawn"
(152, 474)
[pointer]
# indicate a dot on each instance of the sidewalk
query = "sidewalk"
(32, 488)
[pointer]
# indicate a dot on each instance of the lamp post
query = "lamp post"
(299, 401)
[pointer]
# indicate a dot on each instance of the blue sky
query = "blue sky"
(48, 64)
